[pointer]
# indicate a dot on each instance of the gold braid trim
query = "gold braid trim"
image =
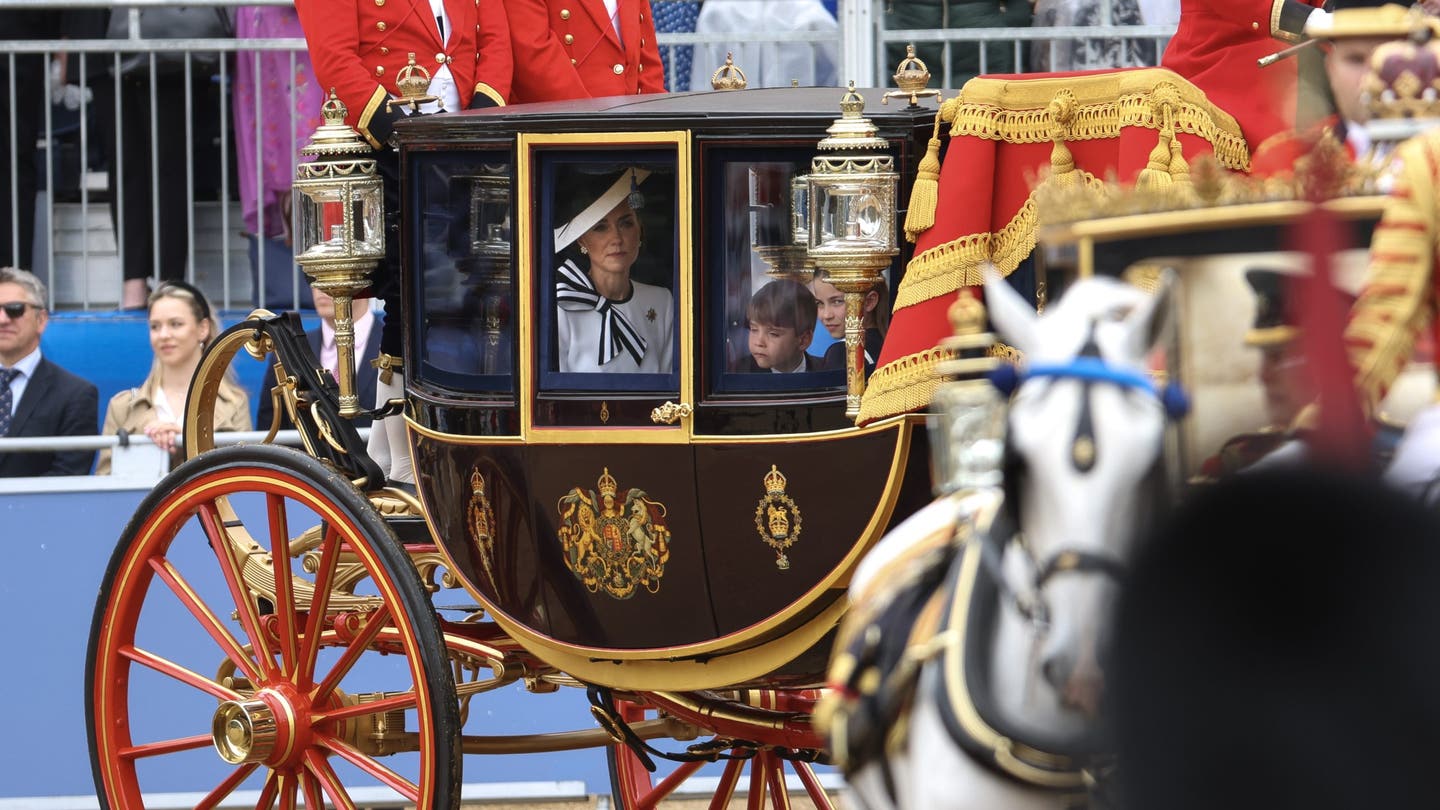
(903, 386)
(1396, 302)
(1016, 110)
(947, 267)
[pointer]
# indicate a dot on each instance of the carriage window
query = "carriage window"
(464, 283)
(607, 250)
(774, 329)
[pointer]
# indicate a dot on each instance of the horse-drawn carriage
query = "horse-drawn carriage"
(676, 541)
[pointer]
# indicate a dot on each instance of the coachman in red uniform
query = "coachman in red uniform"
(359, 46)
(568, 49)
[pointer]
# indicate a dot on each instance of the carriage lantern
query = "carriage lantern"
(851, 203)
(967, 413)
(339, 231)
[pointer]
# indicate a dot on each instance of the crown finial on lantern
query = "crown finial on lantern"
(852, 130)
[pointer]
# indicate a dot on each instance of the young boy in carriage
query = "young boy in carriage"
(781, 319)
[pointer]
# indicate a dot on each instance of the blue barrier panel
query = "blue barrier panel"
(57, 547)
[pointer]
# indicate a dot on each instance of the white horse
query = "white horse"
(1002, 673)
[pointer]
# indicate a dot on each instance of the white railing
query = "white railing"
(135, 461)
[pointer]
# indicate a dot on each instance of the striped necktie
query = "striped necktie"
(7, 398)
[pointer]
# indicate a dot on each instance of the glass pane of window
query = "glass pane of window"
(465, 328)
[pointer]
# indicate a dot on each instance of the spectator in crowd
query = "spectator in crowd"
(277, 107)
(830, 303)
(1091, 53)
(358, 47)
(17, 216)
(781, 319)
(965, 62)
(37, 397)
(769, 64)
(149, 207)
(676, 17)
(574, 50)
(181, 325)
(322, 342)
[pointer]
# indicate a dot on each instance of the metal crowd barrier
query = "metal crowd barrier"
(136, 463)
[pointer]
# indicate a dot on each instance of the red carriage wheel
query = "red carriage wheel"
(313, 677)
(750, 778)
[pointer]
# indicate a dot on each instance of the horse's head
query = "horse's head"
(1086, 430)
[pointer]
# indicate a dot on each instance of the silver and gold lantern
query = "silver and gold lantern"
(339, 228)
(851, 201)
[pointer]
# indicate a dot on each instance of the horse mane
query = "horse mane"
(1276, 645)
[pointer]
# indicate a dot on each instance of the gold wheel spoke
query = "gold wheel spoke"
(245, 605)
(813, 789)
(289, 789)
(314, 798)
(729, 778)
(317, 764)
(370, 765)
(226, 787)
(756, 799)
(266, 801)
(207, 618)
(284, 589)
(405, 700)
(374, 623)
(159, 747)
(320, 601)
(775, 779)
(165, 666)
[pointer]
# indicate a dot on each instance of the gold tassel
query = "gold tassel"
(1156, 174)
(1061, 111)
(925, 195)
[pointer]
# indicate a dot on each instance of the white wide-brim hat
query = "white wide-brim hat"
(567, 233)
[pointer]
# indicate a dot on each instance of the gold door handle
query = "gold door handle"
(670, 413)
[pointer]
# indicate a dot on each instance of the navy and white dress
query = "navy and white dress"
(632, 336)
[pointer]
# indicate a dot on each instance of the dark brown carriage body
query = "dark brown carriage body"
(500, 441)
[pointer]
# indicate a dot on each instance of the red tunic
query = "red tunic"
(359, 46)
(568, 49)
(1216, 47)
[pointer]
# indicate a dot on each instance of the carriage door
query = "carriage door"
(607, 419)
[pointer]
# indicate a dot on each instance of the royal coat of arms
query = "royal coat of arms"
(616, 541)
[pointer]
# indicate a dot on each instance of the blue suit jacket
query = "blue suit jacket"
(55, 403)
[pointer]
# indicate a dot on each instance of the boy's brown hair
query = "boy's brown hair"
(783, 303)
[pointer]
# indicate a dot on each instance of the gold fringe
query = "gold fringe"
(925, 194)
(958, 263)
(904, 386)
(1017, 111)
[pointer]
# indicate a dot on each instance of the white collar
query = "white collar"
(28, 364)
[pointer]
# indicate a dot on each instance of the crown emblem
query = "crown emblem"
(774, 481)
(607, 484)
(777, 518)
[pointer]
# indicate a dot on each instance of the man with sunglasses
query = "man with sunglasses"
(38, 397)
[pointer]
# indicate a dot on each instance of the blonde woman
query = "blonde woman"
(181, 325)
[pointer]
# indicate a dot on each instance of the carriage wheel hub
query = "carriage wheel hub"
(244, 731)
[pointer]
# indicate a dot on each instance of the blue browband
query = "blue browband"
(1092, 369)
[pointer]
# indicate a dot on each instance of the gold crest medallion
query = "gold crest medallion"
(614, 541)
(777, 518)
(480, 521)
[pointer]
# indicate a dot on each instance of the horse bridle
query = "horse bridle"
(1087, 367)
